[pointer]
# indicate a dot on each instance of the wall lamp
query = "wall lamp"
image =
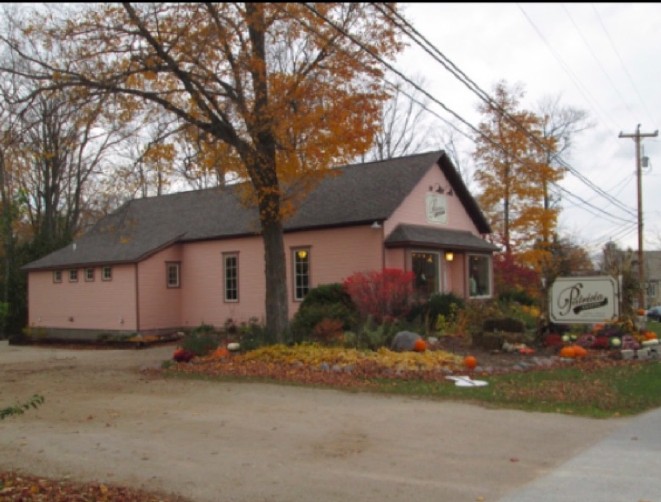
(449, 256)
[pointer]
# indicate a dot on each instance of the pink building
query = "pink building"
(176, 261)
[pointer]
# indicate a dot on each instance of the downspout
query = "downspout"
(137, 301)
(383, 248)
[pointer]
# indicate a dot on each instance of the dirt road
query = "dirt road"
(105, 420)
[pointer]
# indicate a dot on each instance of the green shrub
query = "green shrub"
(372, 336)
(328, 302)
(441, 307)
(253, 335)
(326, 294)
(201, 341)
(518, 296)
(306, 319)
(505, 324)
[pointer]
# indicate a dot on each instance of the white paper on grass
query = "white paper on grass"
(466, 381)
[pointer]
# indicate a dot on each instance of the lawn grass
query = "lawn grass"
(654, 326)
(599, 386)
(600, 392)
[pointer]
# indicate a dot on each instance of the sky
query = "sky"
(603, 58)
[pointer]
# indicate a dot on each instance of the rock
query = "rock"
(404, 340)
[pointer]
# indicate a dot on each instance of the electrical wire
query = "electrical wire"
(617, 53)
(445, 107)
(594, 56)
(432, 50)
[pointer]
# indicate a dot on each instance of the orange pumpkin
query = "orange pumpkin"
(569, 352)
(220, 353)
(580, 351)
(420, 345)
(650, 335)
(470, 362)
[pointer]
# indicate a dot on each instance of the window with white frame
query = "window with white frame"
(231, 276)
(106, 273)
(301, 271)
(479, 276)
(173, 269)
(89, 274)
(73, 275)
(57, 276)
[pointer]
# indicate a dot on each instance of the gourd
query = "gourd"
(420, 345)
(470, 362)
(569, 352)
(220, 353)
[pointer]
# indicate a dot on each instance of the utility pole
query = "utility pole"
(641, 265)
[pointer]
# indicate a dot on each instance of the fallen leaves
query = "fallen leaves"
(15, 487)
(309, 363)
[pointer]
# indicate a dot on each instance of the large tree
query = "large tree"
(403, 129)
(279, 89)
(512, 171)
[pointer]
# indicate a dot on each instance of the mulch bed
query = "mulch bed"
(16, 487)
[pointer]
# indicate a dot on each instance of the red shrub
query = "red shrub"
(382, 295)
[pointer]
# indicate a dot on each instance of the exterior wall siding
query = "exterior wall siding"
(159, 306)
(413, 209)
(102, 305)
(203, 301)
(334, 255)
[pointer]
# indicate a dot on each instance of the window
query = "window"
(73, 275)
(172, 272)
(89, 274)
(106, 273)
(57, 276)
(301, 273)
(426, 270)
(231, 276)
(479, 276)
(651, 288)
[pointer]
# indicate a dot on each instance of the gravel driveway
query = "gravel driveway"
(105, 420)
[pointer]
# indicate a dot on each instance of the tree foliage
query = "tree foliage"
(273, 91)
(512, 170)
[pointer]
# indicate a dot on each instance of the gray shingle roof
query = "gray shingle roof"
(362, 193)
(418, 235)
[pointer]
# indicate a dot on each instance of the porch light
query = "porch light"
(449, 256)
(302, 254)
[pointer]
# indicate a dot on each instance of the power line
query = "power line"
(433, 51)
(578, 85)
(456, 115)
(617, 53)
(594, 56)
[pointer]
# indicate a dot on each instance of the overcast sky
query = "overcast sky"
(601, 58)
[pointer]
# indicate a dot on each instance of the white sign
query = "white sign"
(576, 300)
(437, 211)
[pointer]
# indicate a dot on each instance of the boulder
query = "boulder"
(404, 340)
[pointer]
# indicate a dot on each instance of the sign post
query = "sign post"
(584, 300)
